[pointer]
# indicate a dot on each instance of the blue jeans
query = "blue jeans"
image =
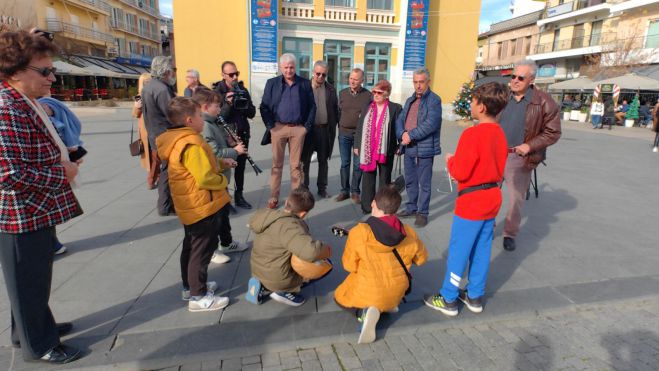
(345, 148)
(471, 242)
(418, 179)
(596, 120)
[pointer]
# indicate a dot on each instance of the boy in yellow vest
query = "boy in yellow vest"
(200, 198)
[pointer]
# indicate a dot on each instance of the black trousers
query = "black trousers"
(165, 204)
(239, 171)
(320, 143)
(383, 174)
(199, 242)
(27, 264)
(225, 227)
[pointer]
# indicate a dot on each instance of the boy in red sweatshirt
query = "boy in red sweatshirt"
(477, 166)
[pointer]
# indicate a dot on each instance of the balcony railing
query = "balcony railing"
(337, 13)
(576, 43)
(380, 16)
(141, 5)
(55, 25)
(293, 10)
(99, 4)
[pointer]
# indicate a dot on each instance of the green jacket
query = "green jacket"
(279, 235)
(216, 137)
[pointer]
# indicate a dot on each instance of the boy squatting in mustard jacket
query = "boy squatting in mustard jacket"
(377, 281)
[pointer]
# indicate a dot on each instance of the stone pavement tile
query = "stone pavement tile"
(174, 368)
(211, 365)
(371, 364)
(343, 350)
(307, 355)
(270, 359)
(382, 351)
(324, 350)
(252, 367)
(312, 365)
(251, 360)
(290, 362)
(349, 362)
(328, 363)
(232, 364)
(273, 368)
(391, 365)
(191, 367)
(364, 352)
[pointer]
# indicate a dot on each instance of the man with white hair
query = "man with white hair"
(155, 100)
(192, 79)
(531, 123)
(288, 111)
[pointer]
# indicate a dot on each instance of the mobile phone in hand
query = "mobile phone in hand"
(77, 154)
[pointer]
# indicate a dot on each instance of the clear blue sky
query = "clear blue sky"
(492, 11)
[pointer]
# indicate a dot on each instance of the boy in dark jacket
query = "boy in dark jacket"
(477, 166)
(279, 236)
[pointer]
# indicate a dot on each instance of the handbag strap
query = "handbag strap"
(407, 273)
(397, 165)
(132, 129)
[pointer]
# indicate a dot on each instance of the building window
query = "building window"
(504, 49)
(131, 21)
(557, 34)
(513, 46)
(527, 48)
(134, 47)
(302, 49)
(339, 57)
(378, 60)
(519, 46)
(343, 3)
(652, 40)
(499, 49)
(381, 4)
(144, 27)
(480, 52)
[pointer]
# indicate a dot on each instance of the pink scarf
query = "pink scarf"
(372, 138)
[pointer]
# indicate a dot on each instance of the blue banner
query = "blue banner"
(416, 33)
(264, 35)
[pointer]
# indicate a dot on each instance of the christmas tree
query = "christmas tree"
(462, 103)
(632, 113)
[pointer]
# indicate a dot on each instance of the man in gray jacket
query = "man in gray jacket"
(156, 96)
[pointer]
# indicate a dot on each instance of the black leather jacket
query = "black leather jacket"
(233, 116)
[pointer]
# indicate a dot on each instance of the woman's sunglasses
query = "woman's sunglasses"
(43, 71)
(377, 92)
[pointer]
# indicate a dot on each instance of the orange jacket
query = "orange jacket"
(192, 201)
(376, 277)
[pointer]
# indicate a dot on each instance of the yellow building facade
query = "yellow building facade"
(369, 34)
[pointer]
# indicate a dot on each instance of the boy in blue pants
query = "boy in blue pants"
(477, 166)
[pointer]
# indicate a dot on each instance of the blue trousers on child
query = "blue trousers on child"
(471, 242)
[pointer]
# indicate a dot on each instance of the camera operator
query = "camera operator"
(236, 111)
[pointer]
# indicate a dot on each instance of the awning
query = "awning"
(64, 68)
(580, 83)
(632, 81)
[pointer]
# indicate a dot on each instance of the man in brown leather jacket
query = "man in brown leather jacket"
(531, 123)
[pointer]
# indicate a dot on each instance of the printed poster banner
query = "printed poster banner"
(264, 35)
(416, 33)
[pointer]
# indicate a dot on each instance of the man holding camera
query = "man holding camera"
(237, 109)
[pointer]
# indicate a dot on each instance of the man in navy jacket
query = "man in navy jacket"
(418, 128)
(288, 110)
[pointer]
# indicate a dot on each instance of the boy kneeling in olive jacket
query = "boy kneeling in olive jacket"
(279, 236)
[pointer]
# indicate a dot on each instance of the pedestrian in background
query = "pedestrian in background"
(352, 101)
(319, 140)
(375, 142)
(288, 110)
(192, 79)
(149, 157)
(596, 113)
(418, 127)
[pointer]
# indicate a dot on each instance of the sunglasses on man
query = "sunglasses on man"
(43, 71)
(233, 74)
(319, 74)
(518, 77)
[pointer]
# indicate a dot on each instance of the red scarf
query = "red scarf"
(394, 223)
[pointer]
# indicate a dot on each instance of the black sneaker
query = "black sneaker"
(474, 305)
(437, 302)
(508, 243)
(288, 298)
(241, 202)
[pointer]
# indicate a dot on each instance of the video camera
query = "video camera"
(240, 96)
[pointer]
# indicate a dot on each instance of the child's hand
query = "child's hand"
(326, 252)
(448, 156)
(228, 163)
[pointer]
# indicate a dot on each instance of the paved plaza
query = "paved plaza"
(580, 292)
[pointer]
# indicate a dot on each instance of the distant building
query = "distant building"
(522, 7)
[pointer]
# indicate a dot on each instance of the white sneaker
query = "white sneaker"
(235, 246)
(211, 286)
(207, 303)
(61, 250)
(655, 149)
(314, 157)
(219, 258)
(369, 321)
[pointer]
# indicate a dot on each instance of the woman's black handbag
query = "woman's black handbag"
(399, 182)
(136, 147)
(266, 137)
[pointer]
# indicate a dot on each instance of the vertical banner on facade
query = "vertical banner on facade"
(264, 35)
(416, 33)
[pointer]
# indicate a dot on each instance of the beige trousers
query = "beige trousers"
(281, 135)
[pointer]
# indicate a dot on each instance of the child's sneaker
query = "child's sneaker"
(369, 320)
(211, 286)
(219, 258)
(207, 303)
(254, 291)
(437, 302)
(234, 246)
(60, 249)
(474, 305)
(288, 298)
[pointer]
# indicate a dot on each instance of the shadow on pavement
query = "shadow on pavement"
(633, 350)
(528, 358)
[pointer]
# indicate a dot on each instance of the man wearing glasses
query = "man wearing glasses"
(531, 123)
(327, 113)
(236, 116)
(351, 102)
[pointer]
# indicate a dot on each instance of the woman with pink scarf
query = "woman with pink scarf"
(375, 141)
